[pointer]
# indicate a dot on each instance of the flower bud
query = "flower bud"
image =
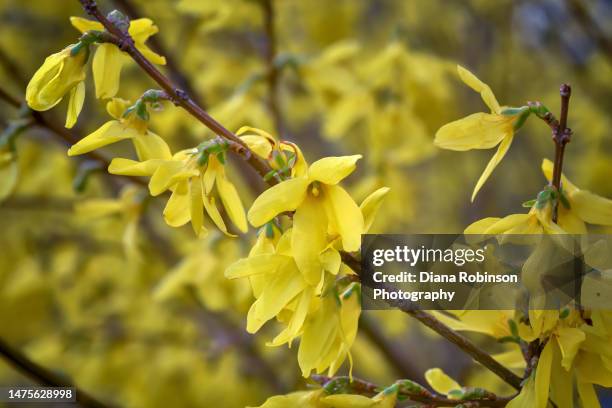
(58, 75)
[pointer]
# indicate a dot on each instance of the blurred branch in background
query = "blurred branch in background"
(45, 377)
(590, 26)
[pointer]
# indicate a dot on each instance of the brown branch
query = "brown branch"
(561, 137)
(124, 41)
(432, 399)
(443, 330)
(126, 44)
(174, 71)
(45, 377)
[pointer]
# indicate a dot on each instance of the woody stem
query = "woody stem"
(561, 137)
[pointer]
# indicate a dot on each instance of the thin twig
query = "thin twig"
(424, 396)
(125, 43)
(561, 137)
(174, 71)
(45, 377)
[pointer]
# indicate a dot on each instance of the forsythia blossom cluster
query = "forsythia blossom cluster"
(574, 344)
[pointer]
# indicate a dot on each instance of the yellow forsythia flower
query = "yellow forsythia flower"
(320, 205)
(148, 145)
(192, 188)
(61, 73)
(108, 59)
(479, 130)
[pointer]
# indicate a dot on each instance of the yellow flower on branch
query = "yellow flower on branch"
(321, 207)
(62, 73)
(191, 183)
(126, 125)
(109, 59)
(481, 130)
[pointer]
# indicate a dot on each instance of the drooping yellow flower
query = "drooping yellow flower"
(321, 207)
(480, 130)
(60, 74)
(109, 59)
(148, 145)
(192, 187)
(330, 332)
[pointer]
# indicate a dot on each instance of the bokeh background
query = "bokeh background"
(139, 313)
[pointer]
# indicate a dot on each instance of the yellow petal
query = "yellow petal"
(440, 382)
(476, 84)
(213, 212)
(542, 376)
(197, 207)
(345, 217)
(110, 132)
(347, 401)
(297, 319)
(587, 394)
(495, 160)
(127, 167)
(569, 341)
(83, 24)
(151, 146)
(592, 208)
(319, 333)
(331, 170)
(116, 107)
(285, 196)
(106, 67)
(167, 174)
(309, 239)
(547, 169)
(370, 206)
(481, 226)
(476, 131)
(259, 145)
(282, 288)
(177, 211)
(75, 104)
(69, 71)
(47, 71)
(257, 265)
(527, 396)
(232, 203)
